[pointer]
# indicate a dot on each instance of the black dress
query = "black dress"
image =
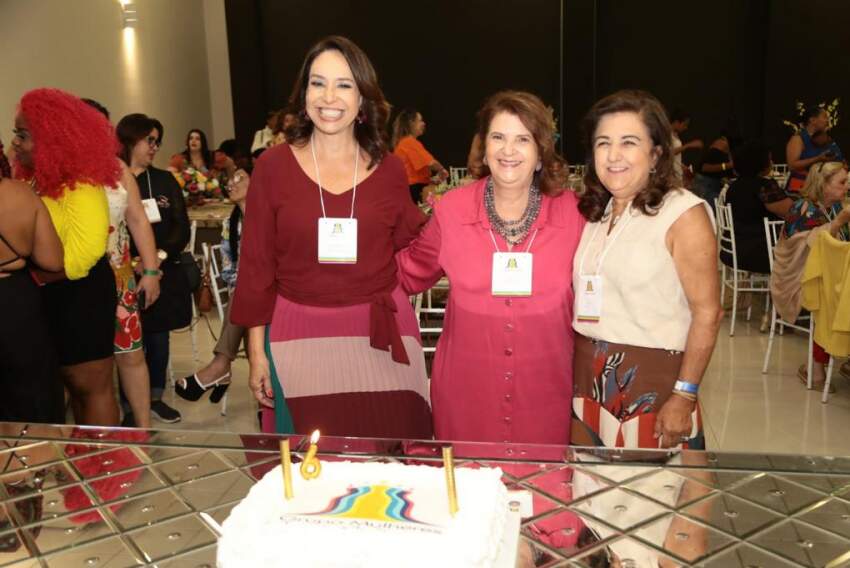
(173, 309)
(748, 197)
(29, 371)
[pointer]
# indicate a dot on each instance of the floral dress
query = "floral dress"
(805, 215)
(128, 326)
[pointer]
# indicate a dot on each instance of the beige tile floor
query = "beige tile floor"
(744, 410)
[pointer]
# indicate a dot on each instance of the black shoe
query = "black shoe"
(129, 421)
(190, 388)
(218, 392)
(164, 413)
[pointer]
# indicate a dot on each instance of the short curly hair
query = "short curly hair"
(538, 119)
(73, 143)
(594, 199)
(371, 131)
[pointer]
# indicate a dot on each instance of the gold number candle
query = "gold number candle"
(311, 467)
(449, 466)
(286, 465)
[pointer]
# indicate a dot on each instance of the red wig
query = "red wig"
(73, 143)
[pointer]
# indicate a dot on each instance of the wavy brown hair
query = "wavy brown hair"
(538, 119)
(595, 197)
(375, 110)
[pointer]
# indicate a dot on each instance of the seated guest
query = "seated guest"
(645, 275)
(522, 392)
(67, 149)
(216, 375)
(419, 164)
(29, 371)
(754, 196)
(214, 165)
(820, 207)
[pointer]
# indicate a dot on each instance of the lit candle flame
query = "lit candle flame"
(314, 439)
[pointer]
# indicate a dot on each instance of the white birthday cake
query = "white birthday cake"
(368, 515)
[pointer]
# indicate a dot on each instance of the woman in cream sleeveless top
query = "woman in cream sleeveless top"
(647, 301)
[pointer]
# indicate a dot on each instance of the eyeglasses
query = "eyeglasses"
(21, 134)
(152, 141)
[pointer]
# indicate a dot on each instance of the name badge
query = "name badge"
(512, 274)
(589, 294)
(151, 210)
(337, 240)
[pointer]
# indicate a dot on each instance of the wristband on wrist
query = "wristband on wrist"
(149, 272)
(686, 387)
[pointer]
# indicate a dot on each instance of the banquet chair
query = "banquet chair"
(217, 285)
(732, 277)
(430, 309)
(772, 230)
(456, 174)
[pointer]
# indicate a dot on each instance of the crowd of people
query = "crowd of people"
(582, 317)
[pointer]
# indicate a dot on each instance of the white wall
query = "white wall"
(160, 67)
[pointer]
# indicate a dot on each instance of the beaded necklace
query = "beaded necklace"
(513, 231)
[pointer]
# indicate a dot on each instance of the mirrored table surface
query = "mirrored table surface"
(95, 497)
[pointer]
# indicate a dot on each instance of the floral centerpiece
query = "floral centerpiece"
(196, 186)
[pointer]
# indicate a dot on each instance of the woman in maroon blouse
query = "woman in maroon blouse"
(333, 341)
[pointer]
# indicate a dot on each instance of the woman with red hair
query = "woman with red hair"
(66, 149)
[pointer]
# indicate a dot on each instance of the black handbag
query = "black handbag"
(190, 266)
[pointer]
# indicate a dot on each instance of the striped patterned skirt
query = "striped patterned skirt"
(617, 393)
(326, 375)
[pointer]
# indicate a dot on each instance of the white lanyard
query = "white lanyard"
(319, 181)
(149, 204)
(607, 247)
(530, 241)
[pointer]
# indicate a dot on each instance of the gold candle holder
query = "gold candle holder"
(311, 467)
(449, 466)
(286, 465)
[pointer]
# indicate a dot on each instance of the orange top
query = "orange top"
(416, 160)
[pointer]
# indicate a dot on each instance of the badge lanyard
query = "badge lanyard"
(589, 292)
(149, 204)
(337, 236)
(512, 271)
(605, 250)
(319, 181)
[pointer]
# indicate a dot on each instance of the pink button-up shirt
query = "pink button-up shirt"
(503, 367)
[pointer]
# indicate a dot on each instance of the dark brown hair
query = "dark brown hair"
(538, 119)
(374, 112)
(129, 131)
(595, 197)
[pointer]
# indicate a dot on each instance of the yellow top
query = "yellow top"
(81, 218)
(826, 293)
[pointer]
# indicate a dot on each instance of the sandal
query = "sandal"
(816, 385)
(190, 388)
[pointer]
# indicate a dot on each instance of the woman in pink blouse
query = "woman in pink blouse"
(503, 368)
